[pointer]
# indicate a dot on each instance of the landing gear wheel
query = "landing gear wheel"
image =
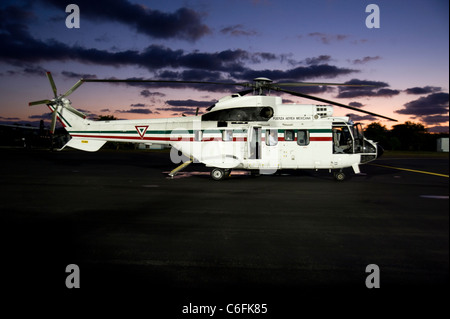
(218, 174)
(339, 176)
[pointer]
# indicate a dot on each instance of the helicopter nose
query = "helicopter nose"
(380, 150)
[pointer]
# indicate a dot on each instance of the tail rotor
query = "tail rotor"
(59, 102)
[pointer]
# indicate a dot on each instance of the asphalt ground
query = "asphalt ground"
(294, 240)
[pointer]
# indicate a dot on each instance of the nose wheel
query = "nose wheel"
(339, 176)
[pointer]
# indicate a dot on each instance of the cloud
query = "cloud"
(434, 119)
(373, 89)
(184, 23)
(137, 111)
(317, 60)
(103, 38)
(25, 69)
(366, 59)
(327, 38)
(423, 90)
(9, 118)
(17, 42)
(356, 104)
(45, 116)
(438, 129)
(153, 97)
(386, 92)
(33, 70)
(227, 60)
(166, 63)
(12, 13)
(432, 104)
(138, 105)
(238, 30)
(259, 57)
(74, 75)
(147, 93)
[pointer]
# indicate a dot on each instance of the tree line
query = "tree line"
(405, 137)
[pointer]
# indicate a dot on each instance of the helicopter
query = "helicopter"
(254, 132)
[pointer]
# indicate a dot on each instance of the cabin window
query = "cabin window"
(289, 135)
(198, 136)
(271, 137)
(227, 135)
(240, 114)
(302, 137)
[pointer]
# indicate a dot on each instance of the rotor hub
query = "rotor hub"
(261, 83)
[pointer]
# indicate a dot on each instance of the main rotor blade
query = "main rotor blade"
(316, 84)
(73, 88)
(52, 83)
(334, 103)
(39, 102)
(162, 81)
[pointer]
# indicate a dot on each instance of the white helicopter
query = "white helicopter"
(257, 133)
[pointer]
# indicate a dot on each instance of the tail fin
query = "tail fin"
(84, 144)
(74, 122)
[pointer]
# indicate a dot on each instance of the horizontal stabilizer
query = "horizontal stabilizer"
(85, 144)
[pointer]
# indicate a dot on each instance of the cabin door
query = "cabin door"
(254, 143)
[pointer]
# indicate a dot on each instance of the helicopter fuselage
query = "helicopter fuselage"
(257, 133)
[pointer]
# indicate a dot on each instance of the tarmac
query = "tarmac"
(289, 240)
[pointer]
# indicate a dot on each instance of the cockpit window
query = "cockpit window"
(240, 114)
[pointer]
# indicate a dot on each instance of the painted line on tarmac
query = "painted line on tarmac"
(434, 196)
(410, 170)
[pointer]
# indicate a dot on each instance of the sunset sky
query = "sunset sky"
(223, 41)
